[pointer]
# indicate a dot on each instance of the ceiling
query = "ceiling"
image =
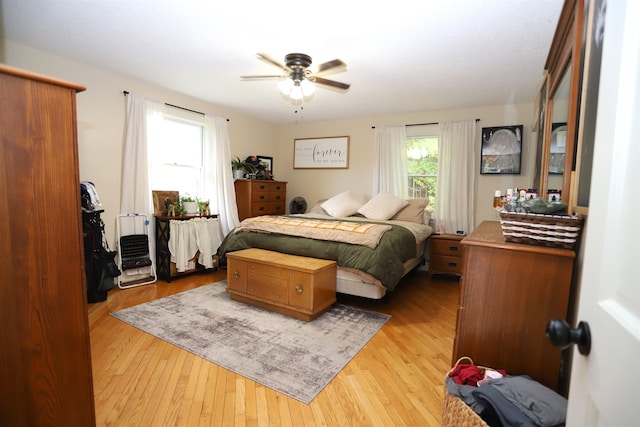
(402, 56)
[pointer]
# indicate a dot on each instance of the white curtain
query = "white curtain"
(455, 187)
(143, 116)
(218, 188)
(390, 161)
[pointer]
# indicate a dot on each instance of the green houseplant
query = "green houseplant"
(239, 167)
(187, 205)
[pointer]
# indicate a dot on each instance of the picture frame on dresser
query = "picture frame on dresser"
(267, 162)
(159, 201)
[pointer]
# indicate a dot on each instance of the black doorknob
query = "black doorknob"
(561, 335)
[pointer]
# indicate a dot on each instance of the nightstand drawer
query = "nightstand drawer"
(442, 264)
(446, 247)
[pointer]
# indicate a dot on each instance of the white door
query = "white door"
(604, 384)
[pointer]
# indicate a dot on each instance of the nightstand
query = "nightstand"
(445, 256)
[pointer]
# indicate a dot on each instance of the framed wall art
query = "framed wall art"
(501, 150)
(321, 153)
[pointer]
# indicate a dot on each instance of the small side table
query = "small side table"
(445, 254)
(163, 256)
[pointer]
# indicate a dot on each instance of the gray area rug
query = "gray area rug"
(291, 356)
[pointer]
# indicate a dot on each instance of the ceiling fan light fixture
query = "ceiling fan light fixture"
(299, 84)
(296, 92)
(285, 86)
(308, 88)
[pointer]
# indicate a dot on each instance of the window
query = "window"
(422, 163)
(177, 160)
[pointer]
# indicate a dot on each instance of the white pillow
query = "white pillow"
(317, 208)
(382, 206)
(341, 205)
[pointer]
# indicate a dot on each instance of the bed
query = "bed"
(373, 253)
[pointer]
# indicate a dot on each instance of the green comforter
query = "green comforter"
(385, 262)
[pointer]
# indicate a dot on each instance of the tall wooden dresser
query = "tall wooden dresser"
(45, 361)
(508, 293)
(260, 197)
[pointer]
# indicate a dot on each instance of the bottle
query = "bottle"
(497, 199)
(509, 194)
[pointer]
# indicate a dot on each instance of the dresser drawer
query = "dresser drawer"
(258, 186)
(277, 197)
(276, 208)
(260, 196)
(260, 208)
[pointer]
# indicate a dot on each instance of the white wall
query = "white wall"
(101, 114)
(101, 110)
(358, 178)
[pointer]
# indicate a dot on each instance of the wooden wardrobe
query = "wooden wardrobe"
(45, 360)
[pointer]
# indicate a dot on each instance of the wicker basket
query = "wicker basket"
(554, 231)
(456, 413)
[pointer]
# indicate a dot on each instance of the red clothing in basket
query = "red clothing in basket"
(466, 374)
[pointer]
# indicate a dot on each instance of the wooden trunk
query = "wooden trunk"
(288, 284)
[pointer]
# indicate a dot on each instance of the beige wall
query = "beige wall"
(101, 123)
(101, 114)
(358, 178)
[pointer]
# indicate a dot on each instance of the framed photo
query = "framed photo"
(321, 153)
(501, 150)
(557, 147)
(267, 162)
(161, 199)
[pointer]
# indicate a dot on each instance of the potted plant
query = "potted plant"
(238, 167)
(251, 170)
(187, 205)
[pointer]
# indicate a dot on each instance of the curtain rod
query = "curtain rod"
(422, 124)
(125, 92)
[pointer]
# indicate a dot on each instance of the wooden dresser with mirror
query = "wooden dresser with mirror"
(509, 291)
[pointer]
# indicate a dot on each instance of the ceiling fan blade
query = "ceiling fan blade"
(272, 61)
(330, 67)
(331, 84)
(271, 77)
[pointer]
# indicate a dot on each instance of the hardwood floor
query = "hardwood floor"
(396, 379)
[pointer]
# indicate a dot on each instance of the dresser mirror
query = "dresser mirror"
(559, 115)
(559, 112)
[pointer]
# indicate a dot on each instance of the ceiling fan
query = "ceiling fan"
(297, 81)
